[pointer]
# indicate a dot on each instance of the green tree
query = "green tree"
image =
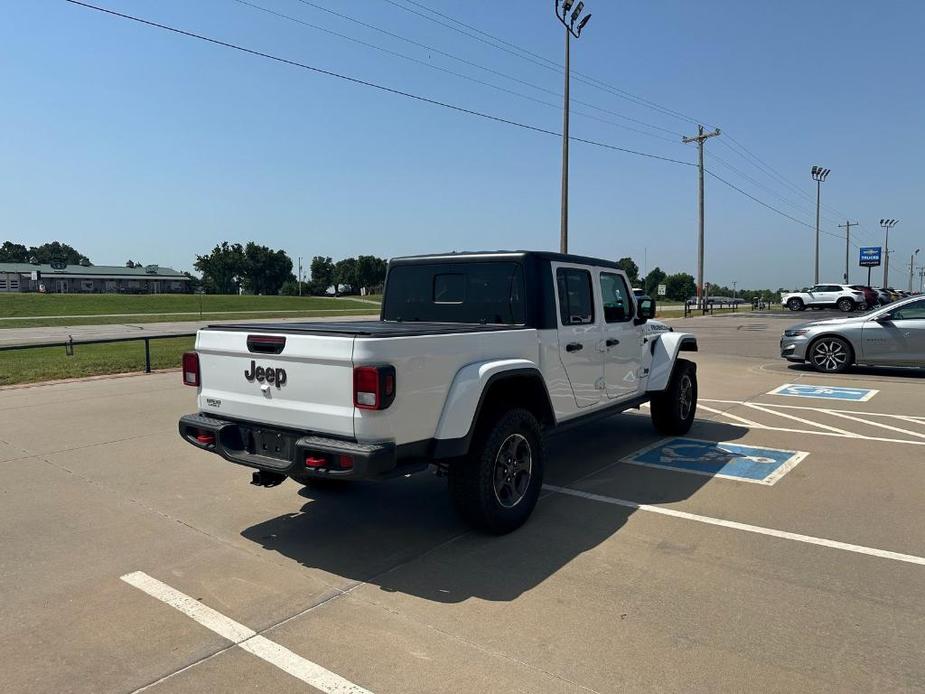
(680, 286)
(322, 269)
(57, 251)
(655, 277)
(265, 270)
(370, 271)
(11, 252)
(631, 269)
(222, 269)
(345, 275)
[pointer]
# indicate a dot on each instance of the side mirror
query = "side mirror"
(885, 318)
(646, 309)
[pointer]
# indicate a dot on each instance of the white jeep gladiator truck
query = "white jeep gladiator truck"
(475, 358)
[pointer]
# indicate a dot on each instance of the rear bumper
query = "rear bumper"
(230, 440)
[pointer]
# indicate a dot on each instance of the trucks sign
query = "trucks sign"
(870, 256)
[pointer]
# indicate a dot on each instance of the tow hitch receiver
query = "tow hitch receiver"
(263, 478)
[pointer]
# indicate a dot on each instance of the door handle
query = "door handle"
(574, 347)
(612, 342)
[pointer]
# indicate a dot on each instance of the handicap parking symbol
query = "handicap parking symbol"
(806, 390)
(725, 460)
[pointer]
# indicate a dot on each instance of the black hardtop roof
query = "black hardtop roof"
(471, 256)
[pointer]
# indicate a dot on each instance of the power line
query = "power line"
(374, 85)
(444, 70)
(539, 60)
(479, 66)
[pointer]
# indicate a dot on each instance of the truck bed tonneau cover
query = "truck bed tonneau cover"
(373, 328)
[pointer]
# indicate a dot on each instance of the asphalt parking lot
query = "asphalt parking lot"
(792, 558)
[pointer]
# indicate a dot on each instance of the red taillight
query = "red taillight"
(373, 387)
(191, 369)
(315, 461)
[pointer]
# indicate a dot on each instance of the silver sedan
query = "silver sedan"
(892, 335)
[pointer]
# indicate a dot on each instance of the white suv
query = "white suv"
(840, 296)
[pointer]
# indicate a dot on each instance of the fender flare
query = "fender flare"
(664, 355)
(464, 401)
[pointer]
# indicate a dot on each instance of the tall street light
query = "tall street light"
(887, 224)
(819, 175)
(569, 18)
(912, 267)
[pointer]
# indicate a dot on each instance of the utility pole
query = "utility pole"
(819, 175)
(563, 8)
(700, 138)
(912, 267)
(299, 276)
(887, 224)
(847, 227)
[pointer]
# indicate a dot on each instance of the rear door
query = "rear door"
(580, 332)
(622, 337)
(306, 383)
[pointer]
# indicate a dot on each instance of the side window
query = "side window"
(576, 298)
(913, 311)
(617, 305)
(817, 288)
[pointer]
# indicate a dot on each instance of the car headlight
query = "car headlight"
(795, 333)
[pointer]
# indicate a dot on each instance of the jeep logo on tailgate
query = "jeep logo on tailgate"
(265, 373)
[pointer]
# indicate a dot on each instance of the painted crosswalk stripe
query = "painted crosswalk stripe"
(245, 637)
(745, 527)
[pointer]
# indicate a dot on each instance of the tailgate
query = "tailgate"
(307, 386)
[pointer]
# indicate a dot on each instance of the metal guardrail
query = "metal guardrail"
(710, 307)
(70, 344)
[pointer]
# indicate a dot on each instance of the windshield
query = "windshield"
(486, 293)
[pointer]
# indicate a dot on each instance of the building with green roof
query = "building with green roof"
(61, 278)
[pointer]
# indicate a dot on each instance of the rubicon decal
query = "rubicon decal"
(266, 374)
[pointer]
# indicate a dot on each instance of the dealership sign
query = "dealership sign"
(870, 256)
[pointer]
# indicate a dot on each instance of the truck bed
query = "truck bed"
(371, 328)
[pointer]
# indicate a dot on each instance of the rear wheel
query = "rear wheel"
(673, 409)
(845, 304)
(795, 304)
(497, 485)
(830, 355)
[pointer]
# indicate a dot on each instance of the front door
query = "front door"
(622, 338)
(580, 334)
(898, 337)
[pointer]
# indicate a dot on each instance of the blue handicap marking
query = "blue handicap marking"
(805, 390)
(727, 460)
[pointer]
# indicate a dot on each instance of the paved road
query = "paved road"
(629, 578)
(24, 336)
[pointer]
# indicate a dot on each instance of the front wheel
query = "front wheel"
(830, 355)
(795, 305)
(496, 487)
(674, 408)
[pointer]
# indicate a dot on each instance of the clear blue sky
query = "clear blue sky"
(129, 142)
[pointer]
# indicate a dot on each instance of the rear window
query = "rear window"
(488, 293)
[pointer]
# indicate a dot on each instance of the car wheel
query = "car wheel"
(495, 487)
(795, 305)
(845, 304)
(674, 408)
(830, 355)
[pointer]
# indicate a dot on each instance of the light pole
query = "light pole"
(568, 17)
(912, 267)
(299, 277)
(819, 174)
(887, 224)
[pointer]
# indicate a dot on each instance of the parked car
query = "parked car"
(871, 297)
(840, 296)
(892, 335)
(475, 357)
(884, 296)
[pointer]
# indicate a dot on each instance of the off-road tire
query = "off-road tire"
(674, 408)
(474, 479)
(795, 304)
(845, 305)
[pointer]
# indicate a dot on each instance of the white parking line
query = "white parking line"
(868, 422)
(745, 527)
(843, 432)
(245, 637)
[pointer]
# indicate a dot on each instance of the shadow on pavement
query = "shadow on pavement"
(377, 532)
(897, 371)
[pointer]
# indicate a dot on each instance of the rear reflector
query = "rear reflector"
(191, 369)
(205, 437)
(345, 462)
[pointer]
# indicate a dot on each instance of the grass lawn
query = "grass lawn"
(41, 310)
(49, 363)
